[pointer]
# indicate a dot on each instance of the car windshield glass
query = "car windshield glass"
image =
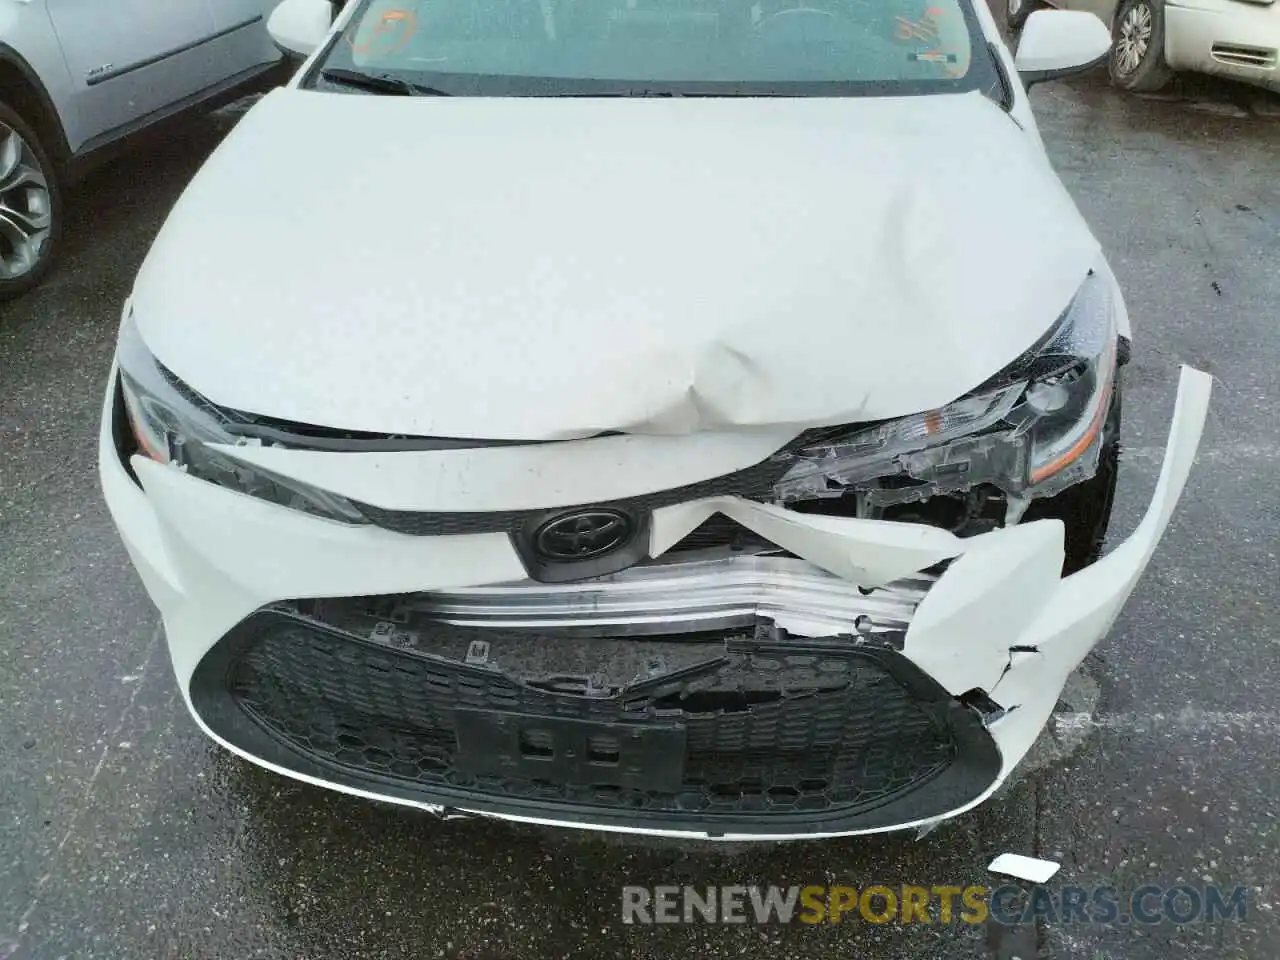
(659, 48)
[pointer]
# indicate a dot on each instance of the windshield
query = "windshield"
(660, 48)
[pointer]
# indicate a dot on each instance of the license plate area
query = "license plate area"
(646, 757)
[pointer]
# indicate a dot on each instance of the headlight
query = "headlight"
(174, 424)
(1031, 430)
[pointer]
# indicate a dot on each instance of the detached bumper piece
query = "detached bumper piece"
(744, 731)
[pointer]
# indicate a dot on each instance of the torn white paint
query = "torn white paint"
(864, 552)
(961, 633)
(1024, 868)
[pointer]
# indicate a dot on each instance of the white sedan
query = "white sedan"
(1238, 39)
(670, 418)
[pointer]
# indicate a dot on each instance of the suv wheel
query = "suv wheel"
(30, 206)
(1137, 47)
(1017, 11)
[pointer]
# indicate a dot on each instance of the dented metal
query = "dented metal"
(687, 595)
(1037, 432)
(662, 336)
(998, 620)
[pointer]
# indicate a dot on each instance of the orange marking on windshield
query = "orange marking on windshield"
(922, 29)
(935, 33)
(392, 31)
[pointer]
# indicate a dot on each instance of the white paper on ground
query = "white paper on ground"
(1024, 868)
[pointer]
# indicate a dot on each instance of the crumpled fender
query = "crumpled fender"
(1079, 612)
(1001, 618)
(962, 631)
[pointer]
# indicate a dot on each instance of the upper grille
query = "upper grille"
(721, 531)
(753, 483)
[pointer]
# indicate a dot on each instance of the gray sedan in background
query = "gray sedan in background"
(80, 79)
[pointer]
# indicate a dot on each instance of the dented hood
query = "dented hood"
(555, 268)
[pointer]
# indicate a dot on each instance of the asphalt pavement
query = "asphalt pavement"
(124, 833)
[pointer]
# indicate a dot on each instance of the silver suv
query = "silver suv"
(79, 79)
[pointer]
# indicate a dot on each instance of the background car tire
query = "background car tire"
(1137, 60)
(30, 206)
(1017, 11)
(1085, 509)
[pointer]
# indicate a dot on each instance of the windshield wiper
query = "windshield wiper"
(381, 83)
(1002, 77)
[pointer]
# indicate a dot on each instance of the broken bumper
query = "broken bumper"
(878, 676)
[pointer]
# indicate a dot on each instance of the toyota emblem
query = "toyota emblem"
(583, 535)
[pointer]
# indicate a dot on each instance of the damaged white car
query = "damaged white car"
(688, 417)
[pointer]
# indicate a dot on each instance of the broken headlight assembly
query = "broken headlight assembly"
(1030, 431)
(173, 424)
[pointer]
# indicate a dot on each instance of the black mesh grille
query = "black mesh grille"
(753, 483)
(767, 726)
(721, 531)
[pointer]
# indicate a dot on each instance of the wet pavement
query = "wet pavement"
(124, 833)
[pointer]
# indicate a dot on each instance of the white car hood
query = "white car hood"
(554, 268)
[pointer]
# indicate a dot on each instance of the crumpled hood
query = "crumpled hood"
(554, 268)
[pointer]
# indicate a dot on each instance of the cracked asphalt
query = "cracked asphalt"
(124, 833)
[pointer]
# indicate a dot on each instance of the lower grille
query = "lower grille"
(716, 731)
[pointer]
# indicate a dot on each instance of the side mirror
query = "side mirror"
(1058, 43)
(298, 27)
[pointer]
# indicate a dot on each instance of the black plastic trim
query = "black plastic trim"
(304, 436)
(106, 146)
(975, 768)
(122, 438)
(753, 483)
(1031, 77)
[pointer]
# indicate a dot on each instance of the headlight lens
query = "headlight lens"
(173, 424)
(1031, 430)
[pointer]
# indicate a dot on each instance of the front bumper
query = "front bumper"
(1230, 38)
(883, 676)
